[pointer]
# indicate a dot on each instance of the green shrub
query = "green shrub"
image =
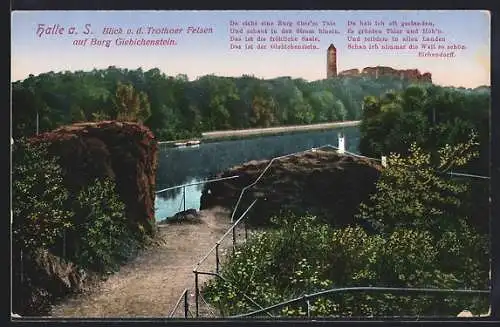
(105, 240)
(354, 256)
(309, 240)
(302, 257)
(412, 192)
(38, 197)
(265, 269)
(88, 228)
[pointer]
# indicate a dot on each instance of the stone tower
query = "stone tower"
(331, 61)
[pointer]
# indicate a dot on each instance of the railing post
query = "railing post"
(246, 231)
(64, 244)
(186, 305)
(184, 197)
(22, 266)
(196, 292)
(308, 309)
(217, 258)
(234, 238)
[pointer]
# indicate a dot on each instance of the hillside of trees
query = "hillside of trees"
(176, 108)
(434, 118)
(430, 115)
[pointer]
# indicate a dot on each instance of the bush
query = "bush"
(268, 271)
(467, 253)
(39, 197)
(412, 192)
(89, 228)
(104, 239)
(303, 257)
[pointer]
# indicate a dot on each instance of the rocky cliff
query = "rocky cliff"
(43, 278)
(321, 183)
(124, 151)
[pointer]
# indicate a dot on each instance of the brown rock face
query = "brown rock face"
(322, 183)
(124, 151)
(46, 278)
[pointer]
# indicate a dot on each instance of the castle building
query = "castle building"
(376, 72)
(331, 61)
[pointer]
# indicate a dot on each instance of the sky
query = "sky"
(200, 54)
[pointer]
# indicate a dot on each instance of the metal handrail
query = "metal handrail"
(223, 236)
(197, 183)
(449, 173)
(216, 248)
(364, 288)
(240, 291)
(468, 175)
(183, 296)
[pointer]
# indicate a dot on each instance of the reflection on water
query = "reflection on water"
(172, 201)
(188, 165)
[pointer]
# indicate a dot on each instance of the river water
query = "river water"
(179, 166)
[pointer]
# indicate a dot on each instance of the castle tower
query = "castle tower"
(331, 61)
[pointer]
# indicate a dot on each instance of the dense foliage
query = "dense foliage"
(434, 200)
(414, 194)
(173, 107)
(88, 228)
(433, 117)
(39, 197)
(428, 115)
(301, 256)
(103, 237)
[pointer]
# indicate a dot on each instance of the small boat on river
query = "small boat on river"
(191, 143)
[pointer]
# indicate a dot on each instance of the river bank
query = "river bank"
(215, 136)
(178, 166)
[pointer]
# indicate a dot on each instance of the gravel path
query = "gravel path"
(150, 285)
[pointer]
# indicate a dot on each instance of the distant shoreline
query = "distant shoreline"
(252, 132)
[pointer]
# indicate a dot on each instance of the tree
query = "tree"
(371, 108)
(130, 105)
(38, 196)
(413, 192)
(262, 112)
(77, 114)
(180, 108)
(263, 106)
